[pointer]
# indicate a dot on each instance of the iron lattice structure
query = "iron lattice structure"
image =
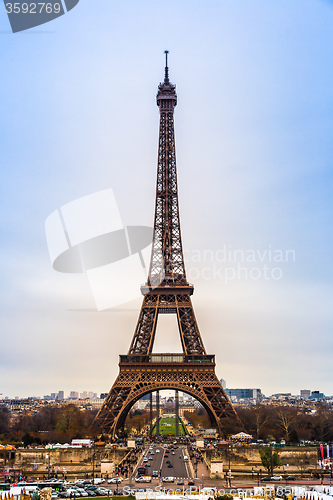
(167, 291)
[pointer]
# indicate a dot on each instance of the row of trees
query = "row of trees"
(53, 424)
(50, 424)
(290, 423)
(275, 423)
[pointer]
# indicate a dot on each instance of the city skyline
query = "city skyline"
(254, 156)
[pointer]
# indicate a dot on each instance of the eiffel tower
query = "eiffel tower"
(167, 291)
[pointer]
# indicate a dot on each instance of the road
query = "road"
(158, 459)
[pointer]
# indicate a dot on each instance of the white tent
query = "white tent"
(241, 436)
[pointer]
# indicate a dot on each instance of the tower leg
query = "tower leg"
(157, 413)
(177, 412)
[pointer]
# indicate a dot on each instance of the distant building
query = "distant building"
(223, 383)
(317, 395)
(73, 395)
(305, 393)
(61, 395)
(244, 394)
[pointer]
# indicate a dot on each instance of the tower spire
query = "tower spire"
(166, 73)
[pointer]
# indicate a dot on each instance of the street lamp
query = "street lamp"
(130, 476)
(48, 456)
(93, 464)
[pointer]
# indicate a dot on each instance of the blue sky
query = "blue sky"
(254, 153)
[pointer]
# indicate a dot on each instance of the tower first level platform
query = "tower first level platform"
(143, 374)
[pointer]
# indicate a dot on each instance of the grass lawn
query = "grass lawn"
(113, 496)
(168, 427)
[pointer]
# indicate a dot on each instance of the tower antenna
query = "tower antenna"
(166, 75)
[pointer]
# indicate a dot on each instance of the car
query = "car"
(91, 493)
(180, 482)
(155, 473)
(157, 450)
(290, 478)
(170, 466)
(54, 495)
(190, 482)
(168, 461)
(98, 480)
(173, 453)
(82, 492)
(145, 459)
(147, 464)
(266, 478)
(145, 479)
(114, 480)
(102, 491)
(64, 494)
(72, 492)
(168, 479)
(150, 458)
(276, 478)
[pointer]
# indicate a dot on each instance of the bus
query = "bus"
(57, 486)
(142, 470)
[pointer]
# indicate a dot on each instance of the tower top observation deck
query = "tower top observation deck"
(166, 96)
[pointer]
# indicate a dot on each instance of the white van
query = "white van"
(185, 458)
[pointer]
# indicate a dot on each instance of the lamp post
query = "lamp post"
(48, 456)
(202, 480)
(93, 464)
(130, 476)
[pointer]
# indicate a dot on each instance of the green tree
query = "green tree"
(270, 459)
